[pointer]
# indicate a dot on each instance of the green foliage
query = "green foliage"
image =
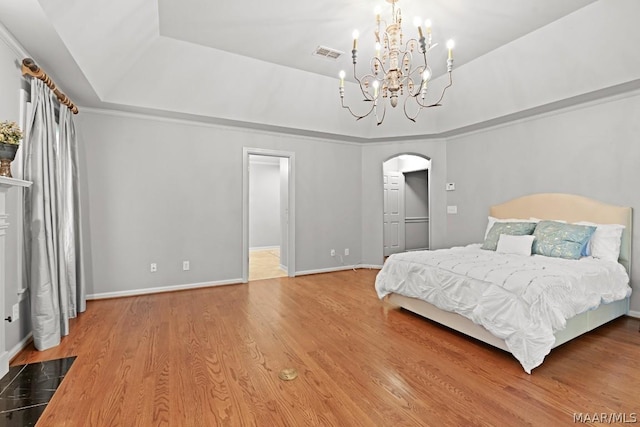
(10, 133)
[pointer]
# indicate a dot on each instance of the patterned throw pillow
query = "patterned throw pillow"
(510, 228)
(559, 240)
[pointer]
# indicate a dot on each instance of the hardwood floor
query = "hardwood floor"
(211, 356)
(265, 264)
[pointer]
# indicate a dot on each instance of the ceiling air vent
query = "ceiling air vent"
(327, 52)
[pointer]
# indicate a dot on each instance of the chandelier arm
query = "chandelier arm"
(437, 103)
(364, 93)
(443, 91)
(413, 119)
(415, 69)
(384, 113)
(379, 61)
(358, 117)
(410, 41)
(418, 86)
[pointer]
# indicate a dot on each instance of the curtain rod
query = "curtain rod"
(30, 68)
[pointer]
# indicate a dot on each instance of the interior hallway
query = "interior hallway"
(265, 264)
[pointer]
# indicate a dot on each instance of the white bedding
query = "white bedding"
(520, 299)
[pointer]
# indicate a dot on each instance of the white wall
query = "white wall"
(264, 203)
(10, 84)
(166, 191)
(591, 151)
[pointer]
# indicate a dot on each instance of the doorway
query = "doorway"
(268, 216)
(405, 221)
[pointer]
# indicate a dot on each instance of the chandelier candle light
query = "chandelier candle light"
(393, 71)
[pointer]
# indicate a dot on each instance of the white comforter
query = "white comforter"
(520, 299)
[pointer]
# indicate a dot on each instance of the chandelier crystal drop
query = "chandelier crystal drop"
(393, 73)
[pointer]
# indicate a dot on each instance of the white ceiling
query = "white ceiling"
(95, 48)
(288, 31)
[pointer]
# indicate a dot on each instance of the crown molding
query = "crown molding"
(13, 44)
(245, 127)
(608, 94)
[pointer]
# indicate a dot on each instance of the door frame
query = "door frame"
(424, 156)
(291, 249)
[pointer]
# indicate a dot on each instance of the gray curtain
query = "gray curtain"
(53, 249)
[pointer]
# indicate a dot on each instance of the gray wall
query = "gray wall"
(264, 203)
(165, 191)
(592, 150)
(10, 83)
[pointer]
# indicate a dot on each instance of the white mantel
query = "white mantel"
(6, 184)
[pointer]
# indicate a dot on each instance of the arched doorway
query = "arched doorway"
(406, 179)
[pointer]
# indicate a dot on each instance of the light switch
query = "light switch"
(451, 186)
(452, 209)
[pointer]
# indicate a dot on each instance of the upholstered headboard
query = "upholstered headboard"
(571, 208)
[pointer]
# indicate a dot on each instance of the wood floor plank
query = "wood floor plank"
(211, 357)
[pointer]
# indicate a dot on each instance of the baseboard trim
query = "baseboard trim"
(325, 270)
(340, 268)
(136, 292)
(20, 346)
(634, 313)
(156, 290)
(263, 248)
(370, 266)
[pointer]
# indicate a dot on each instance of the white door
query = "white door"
(393, 223)
(284, 213)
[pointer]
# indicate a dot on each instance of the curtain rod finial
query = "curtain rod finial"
(30, 64)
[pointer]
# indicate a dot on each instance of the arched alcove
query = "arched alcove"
(405, 222)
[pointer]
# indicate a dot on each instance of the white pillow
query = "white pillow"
(605, 241)
(493, 220)
(518, 245)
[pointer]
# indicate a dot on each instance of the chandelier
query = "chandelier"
(392, 73)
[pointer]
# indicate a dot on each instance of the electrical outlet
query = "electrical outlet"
(185, 265)
(16, 311)
(452, 209)
(333, 252)
(154, 267)
(346, 251)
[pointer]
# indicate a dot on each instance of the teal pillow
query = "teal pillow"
(510, 228)
(560, 240)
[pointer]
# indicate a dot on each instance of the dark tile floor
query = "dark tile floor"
(26, 390)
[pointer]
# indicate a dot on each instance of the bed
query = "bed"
(416, 281)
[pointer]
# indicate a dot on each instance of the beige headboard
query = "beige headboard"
(571, 208)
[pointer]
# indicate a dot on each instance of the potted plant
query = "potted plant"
(10, 136)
